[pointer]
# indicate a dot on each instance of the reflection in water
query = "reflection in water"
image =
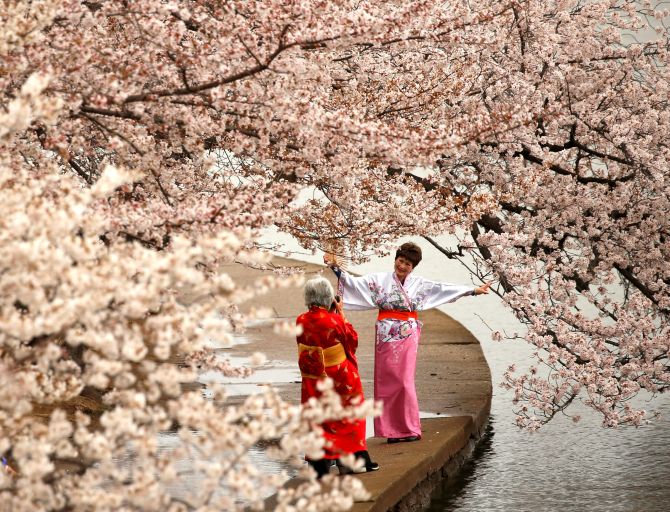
(188, 479)
(279, 372)
(453, 489)
(564, 467)
(188, 467)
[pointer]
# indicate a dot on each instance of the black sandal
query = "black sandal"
(407, 439)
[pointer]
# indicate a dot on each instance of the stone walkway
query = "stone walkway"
(453, 384)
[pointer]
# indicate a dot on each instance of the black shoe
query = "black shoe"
(407, 439)
(321, 466)
(367, 467)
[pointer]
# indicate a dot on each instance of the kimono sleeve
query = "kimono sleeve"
(436, 294)
(355, 291)
(349, 341)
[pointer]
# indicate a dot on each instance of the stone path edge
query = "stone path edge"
(411, 474)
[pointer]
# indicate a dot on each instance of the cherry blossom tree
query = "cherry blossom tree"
(143, 143)
(554, 180)
(116, 218)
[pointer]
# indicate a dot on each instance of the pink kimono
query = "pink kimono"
(397, 336)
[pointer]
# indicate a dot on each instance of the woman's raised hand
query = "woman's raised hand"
(483, 289)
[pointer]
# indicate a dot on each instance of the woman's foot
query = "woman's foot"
(407, 439)
(368, 465)
(321, 466)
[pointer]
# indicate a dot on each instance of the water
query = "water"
(563, 467)
(190, 475)
(190, 480)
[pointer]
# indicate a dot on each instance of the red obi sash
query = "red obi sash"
(396, 315)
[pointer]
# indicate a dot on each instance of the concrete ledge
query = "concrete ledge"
(403, 481)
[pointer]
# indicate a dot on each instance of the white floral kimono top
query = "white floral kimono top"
(384, 291)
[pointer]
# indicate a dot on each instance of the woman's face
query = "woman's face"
(402, 267)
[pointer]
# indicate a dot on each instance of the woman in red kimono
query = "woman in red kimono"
(326, 348)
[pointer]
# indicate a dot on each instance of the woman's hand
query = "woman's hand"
(8, 469)
(339, 308)
(329, 260)
(483, 289)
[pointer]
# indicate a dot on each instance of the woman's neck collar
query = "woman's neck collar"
(401, 281)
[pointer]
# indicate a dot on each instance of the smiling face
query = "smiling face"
(402, 268)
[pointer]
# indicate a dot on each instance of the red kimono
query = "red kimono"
(327, 347)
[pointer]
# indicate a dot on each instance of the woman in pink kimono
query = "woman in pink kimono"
(398, 295)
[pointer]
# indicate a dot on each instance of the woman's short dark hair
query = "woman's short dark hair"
(411, 252)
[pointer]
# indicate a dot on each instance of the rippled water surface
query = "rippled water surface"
(564, 467)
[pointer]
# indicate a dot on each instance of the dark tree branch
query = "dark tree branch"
(113, 113)
(627, 273)
(159, 93)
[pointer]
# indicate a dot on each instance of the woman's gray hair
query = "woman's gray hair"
(319, 292)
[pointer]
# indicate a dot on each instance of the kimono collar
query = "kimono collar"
(402, 286)
(408, 278)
